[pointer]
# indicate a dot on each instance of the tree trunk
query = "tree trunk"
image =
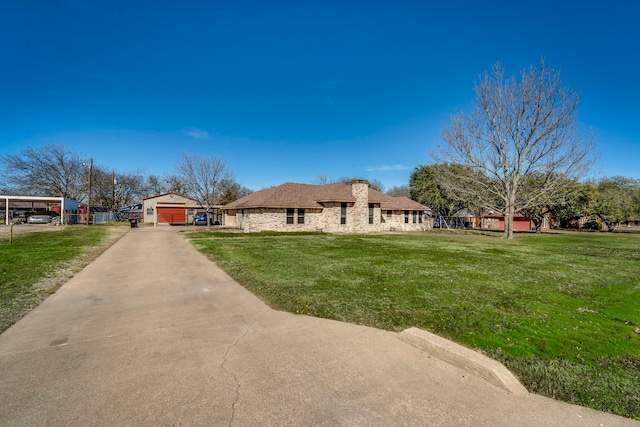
(208, 213)
(537, 224)
(508, 222)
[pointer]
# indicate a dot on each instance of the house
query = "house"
(335, 208)
(169, 208)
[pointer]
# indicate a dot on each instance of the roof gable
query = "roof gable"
(169, 194)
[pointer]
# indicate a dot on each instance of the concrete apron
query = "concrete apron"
(153, 333)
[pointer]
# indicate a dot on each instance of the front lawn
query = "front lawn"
(561, 311)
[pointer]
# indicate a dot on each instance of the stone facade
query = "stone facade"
(275, 219)
(404, 221)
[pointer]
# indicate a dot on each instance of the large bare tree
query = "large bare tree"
(51, 170)
(518, 127)
(203, 179)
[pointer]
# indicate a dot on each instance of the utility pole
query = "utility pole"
(89, 194)
(113, 191)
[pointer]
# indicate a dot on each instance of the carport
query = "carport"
(65, 204)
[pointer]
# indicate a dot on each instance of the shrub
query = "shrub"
(592, 224)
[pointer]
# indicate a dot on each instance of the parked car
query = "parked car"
(200, 219)
(39, 219)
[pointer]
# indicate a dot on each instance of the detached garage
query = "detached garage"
(496, 222)
(169, 208)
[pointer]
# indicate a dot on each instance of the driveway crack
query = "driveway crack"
(235, 378)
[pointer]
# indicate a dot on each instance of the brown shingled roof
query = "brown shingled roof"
(395, 203)
(292, 195)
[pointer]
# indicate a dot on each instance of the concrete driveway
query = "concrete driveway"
(152, 333)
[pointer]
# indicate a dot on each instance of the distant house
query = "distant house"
(169, 208)
(335, 208)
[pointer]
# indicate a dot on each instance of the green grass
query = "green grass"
(561, 311)
(34, 256)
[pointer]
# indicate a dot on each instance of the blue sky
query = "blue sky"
(289, 90)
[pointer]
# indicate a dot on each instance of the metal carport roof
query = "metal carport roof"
(65, 204)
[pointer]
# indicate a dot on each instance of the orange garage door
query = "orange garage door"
(521, 224)
(171, 215)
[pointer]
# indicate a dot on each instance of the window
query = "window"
(420, 218)
(370, 213)
(415, 216)
(149, 211)
(389, 215)
(343, 213)
(300, 216)
(406, 217)
(290, 213)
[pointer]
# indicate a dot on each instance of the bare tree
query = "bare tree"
(376, 185)
(203, 178)
(154, 185)
(518, 127)
(399, 191)
(6, 188)
(102, 188)
(323, 180)
(116, 190)
(326, 179)
(175, 184)
(231, 191)
(51, 170)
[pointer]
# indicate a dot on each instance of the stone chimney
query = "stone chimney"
(360, 191)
